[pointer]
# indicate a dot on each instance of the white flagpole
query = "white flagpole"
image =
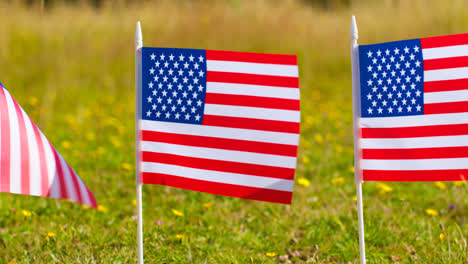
(138, 76)
(357, 152)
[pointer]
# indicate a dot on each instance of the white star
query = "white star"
(402, 72)
(195, 95)
(408, 79)
(400, 109)
(179, 101)
(160, 85)
(151, 71)
(384, 74)
(387, 52)
(418, 93)
(196, 66)
(164, 93)
(383, 59)
(384, 103)
(397, 66)
(369, 82)
(403, 101)
(374, 103)
(393, 73)
(169, 86)
(166, 64)
(396, 50)
(406, 49)
(409, 108)
(191, 57)
(176, 65)
(412, 56)
(413, 71)
(165, 79)
(197, 117)
(418, 108)
(184, 94)
(398, 80)
(374, 89)
(179, 87)
(150, 85)
(389, 95)
(389, 81)
(195, 80)
(413, 101)
(164, 107)
(379, 67)
(168, 115)
(186, 65)
(407, 64)
(174, 94)
(181, 57)
(408, 94)
(200, 88)
(399, 94)
(390, 110)
(402, 58)
(170, 72)
(379, 96)
(201, 73)
(418, 78)
(190, 87)
(185, 79)
(169, 100)
(379, 53)
(157, 64)
(199, 103)
(395, 102)
(177, 116)
(150, 99)
(159, 100)
(190, 73)
(161, 71)
(418, 63)
(369, 96)
(200, 58)
(154, 92)
(171, 57)
(369, 54)
(374, 75)
(385, 88)
(187, 117)
(153, 56)
(162, 56)
(156, 78)
(369, 68)
(175, 79)
(154, 106)
(388, 66)
(148, 113)
(413, 86)
(369, 110)
(380, 110)
(193, 109)
(374, 61)
(158, 114)
(403, 87)
(392, 59)
(173, 108)
(379, 82)
(394, 87)
(189, 102)
(183, 109)
(181, 72)
(416, 49)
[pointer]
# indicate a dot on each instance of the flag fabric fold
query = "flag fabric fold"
(29, 164)
(220, 122)
(414, 109)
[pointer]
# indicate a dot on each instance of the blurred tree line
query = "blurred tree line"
(327, 4)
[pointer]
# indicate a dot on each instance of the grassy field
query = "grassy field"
(72, 70)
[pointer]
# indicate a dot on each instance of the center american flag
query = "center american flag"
(220, 122)
(414, 109)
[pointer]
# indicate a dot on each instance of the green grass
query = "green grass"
(72, 71)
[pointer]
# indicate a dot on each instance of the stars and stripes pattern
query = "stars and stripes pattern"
(220, 122)
(414, 110)
(29, 164)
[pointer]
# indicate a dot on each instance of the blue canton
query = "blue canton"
(392, 78)
(173, 85)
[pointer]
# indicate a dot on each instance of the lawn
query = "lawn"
(72, 70)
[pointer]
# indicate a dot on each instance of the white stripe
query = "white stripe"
(408, 143)
(54, 188)
(446, 74)
(220, 154)
(413, 121)
(221, 177)
(446, 97)
(253, 112)
(416, 164)
(34, 161)
(252, 90)
(221, 132)
(252, 68)
(15, 147)
(84, 192)
(71, 192)
(445, 52)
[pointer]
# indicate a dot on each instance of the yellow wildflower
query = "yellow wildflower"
(339, 149)
(338, 181)
(441, 236)
(90, 136)
(12, 262)
(384, 188)
(180, 236)
(304, 182)
(271, 254)
(305, 160)
(127, 166)
(115, 141)
(50, 235)
(66, 144)
(459, 183)
(134, 202)
(355, 198)
(33, 101)
(102, 208)
(441, 185)
(26, 213)
(84, 206)
(329, 137)
(177, 212)
(351, 169)
(208, 205)
(432, 212)
(318, 138)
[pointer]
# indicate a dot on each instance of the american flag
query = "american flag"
(29, 164)
(220, 122)
(414, 109)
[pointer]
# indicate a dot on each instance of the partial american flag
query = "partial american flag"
(220, 122)
(29, 164)
(414, 109)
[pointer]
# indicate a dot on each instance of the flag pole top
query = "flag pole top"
(354, 30)
(138, 36)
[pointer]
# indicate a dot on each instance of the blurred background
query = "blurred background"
(70, 64)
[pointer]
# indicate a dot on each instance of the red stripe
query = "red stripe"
(218, 188)
(445, 63)
(251, 123)
(220, 143)
(255, 79)
(252, 101)
(446, 108)
(416, 175)
(419, 131)
(24, 151)
(5, 144)
(442, 41)
(60, 175)
(42, 162)
(444, 86)
(91, 198)
(416, 153)
(251, 57)
(76, 185)
(219, 165)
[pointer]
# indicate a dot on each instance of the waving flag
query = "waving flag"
(220, 122)
(29, 164)
(414, 109)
